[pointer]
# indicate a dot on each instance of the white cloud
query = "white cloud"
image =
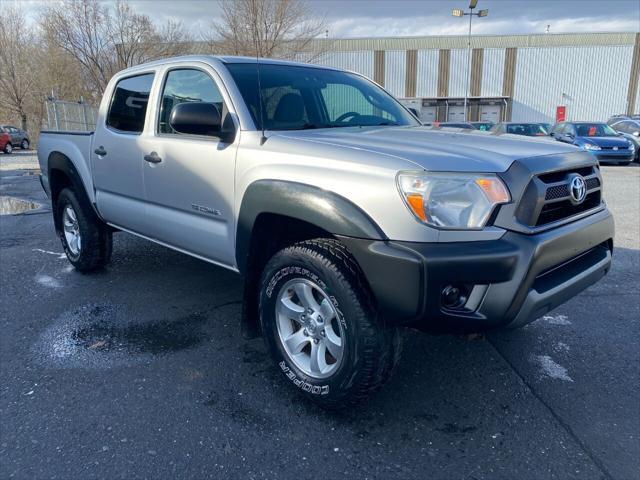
(431, 25)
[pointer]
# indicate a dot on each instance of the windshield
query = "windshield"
(595, 130)
(298, 98)
(528, 129)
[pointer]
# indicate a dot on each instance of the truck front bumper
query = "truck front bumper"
(502, 283)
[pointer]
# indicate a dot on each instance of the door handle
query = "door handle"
(100, 151)
(152, 158)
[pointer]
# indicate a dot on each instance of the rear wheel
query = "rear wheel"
(24, 145)
(8, 148)
(85, 238)
(321, 326)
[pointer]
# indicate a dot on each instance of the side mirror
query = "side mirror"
(570, 135)
(414, 111)
(196, 118)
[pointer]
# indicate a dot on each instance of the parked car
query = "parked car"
(515, 128)
(547, 126)
(629, 129)
(346, 217)
(599, 139)
(484, 126)
(5, 142)
(616, 118)
(19, 137)
(465, 125)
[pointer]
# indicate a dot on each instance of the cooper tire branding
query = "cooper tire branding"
(301, 384)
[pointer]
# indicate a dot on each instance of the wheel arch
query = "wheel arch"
(275, 214)
(62, 173)
(325, 210)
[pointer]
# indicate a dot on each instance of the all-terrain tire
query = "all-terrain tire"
(371, 349)
(96, 237)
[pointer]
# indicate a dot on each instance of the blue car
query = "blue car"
(598, 139)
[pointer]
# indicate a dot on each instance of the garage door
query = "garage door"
(456, 114)
(490, 113)
(428, 114)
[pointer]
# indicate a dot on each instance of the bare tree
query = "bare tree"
(81, 29)
(268, 28)
(18, 62)
(104, 41)
(138, 40)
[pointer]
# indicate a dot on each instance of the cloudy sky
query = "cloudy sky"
(363, 18)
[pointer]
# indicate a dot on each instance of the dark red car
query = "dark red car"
(5, 142)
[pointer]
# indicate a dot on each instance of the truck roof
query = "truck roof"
(212, 59)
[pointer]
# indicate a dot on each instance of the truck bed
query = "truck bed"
(74, 145)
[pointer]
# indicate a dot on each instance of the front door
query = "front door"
(190, 181)
(116, 156)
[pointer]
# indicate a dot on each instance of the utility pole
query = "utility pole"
(457, 12)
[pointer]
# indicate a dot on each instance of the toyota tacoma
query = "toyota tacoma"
(346, 217)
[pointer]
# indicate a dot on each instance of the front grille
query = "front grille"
(613, 157)
(547, 198)
(552, 212)
(557, 191)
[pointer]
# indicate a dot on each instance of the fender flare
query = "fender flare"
(324, 209)
(59, 161)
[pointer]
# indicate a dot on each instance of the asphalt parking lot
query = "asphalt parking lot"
(140, 371)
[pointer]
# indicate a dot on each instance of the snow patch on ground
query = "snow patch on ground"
(551, 369)
(60, 255)
(48, 281)
(561, 347)
(556, 319)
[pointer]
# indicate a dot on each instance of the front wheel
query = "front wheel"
(8, 148)
(85, 238)
(24, 145)
(321, 326)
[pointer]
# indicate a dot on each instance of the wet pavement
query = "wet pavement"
(140, 371)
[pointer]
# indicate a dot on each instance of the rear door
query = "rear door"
(116, 155)
(190, 183)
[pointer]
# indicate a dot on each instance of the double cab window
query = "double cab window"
(186, 85)
(130, 98)
(129, 103)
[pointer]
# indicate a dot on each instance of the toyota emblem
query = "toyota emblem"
(578, 189)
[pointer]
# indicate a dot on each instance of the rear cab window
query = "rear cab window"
(129, 103)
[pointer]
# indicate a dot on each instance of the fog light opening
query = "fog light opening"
(454, 297)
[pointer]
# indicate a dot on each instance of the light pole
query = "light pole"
(457, 12)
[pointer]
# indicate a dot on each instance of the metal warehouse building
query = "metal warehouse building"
(513, 77)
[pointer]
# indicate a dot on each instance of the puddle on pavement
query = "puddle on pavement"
(16, 206)
(103, 336)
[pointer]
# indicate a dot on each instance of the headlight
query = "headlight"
(591, 146)
(632, 147)
(452, 200)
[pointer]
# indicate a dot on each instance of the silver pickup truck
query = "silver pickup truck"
(346, 217)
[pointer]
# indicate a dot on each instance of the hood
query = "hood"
(604, 142)
(437, 150)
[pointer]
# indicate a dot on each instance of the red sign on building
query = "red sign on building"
(561, 113)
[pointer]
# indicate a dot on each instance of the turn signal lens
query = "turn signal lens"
(417, 206)
(494, 189)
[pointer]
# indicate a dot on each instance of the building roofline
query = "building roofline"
(477, 41)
